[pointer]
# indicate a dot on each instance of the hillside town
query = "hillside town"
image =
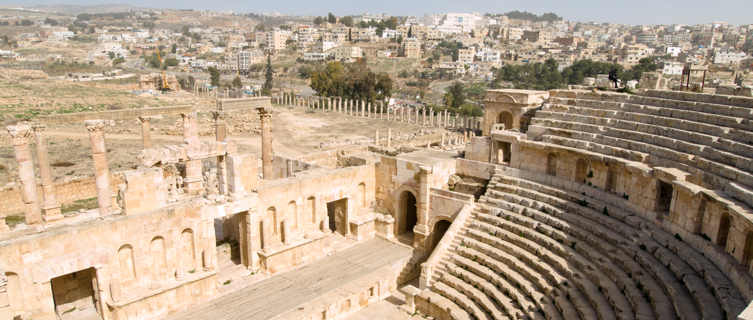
(192, 164)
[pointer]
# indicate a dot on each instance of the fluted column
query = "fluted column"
(21, 137)
(267, 155)
(96, 130)
(50, 206)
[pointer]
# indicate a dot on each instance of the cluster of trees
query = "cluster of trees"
(458, 99)
(446, 48)
(352, 81)
(546, 75)
(525, 15)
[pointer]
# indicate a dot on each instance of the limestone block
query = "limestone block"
(145, 190)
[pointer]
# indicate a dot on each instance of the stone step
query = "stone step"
(446, 305)
(475, 301)
(542, 264)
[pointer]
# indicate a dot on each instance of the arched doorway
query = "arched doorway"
(408, 213)
(506, 119)
(440, 228)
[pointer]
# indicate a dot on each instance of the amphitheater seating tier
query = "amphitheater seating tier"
(532, 251)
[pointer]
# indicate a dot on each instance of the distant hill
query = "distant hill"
(78, 9)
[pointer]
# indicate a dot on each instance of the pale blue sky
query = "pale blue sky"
(628, 12)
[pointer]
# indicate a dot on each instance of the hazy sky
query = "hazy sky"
(619, 11)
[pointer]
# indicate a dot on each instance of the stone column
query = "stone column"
(50, 206)
(21, 137)
(363, 109)
(251, 241)
(369, 111)
(423, 115)
(267, 155)
(96, 130)
(389, 137)
(417, 116)
(445, 119)
(146, 136)
(193, 180)
(220, 129)
(421, 230)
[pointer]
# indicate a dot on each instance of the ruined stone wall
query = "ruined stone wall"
(476, 169)
(146, 265)
(65, 192)
(125, 114)
(244, 103)
(291, 197)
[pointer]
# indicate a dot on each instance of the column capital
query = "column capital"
(426, 169)
(20, 133)
(95, 125)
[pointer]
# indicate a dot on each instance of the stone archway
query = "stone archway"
(505, 118)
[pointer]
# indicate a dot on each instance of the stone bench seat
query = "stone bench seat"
(595, 249)
(476, 301)
(605, 274)
(661, 304)
(675, 108)
(612, 144)
(724, 292)
(698, 106)
(446, 305)
(710, 124)
(521, 295)
(727, 100)
(582, 305)
(691, 140)
(531, 298)
(575, 272)
(451, 293)
(661, 111)
(474, 274)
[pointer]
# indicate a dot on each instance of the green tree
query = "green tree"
(214, 76)
(318, 20)
(174, 48)
(454, 96)
(237, 83)
(347, 21)
(266, 89)
(331, 18)
(171, 62)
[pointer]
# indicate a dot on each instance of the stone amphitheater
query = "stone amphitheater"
(567, 204)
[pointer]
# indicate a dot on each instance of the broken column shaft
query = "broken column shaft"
(21, 136)
(50, 206)
(267, 155)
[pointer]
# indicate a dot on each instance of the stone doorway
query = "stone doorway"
(504, 153)
(440, 228)
(408, 215)
(337, 212)
(664, 193)
(74, 295)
